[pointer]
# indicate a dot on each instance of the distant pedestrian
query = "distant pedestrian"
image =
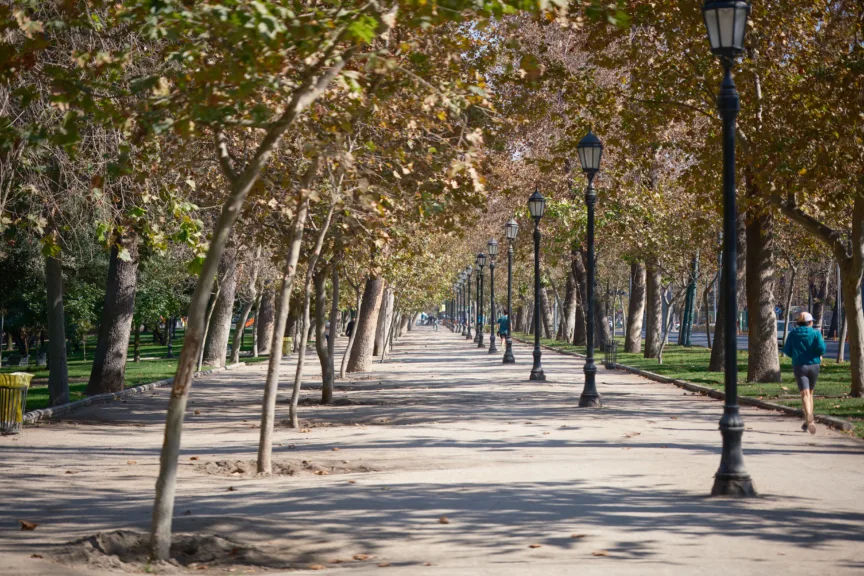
(434, 324)
(503, 326)
(805, 347)
(349, 329)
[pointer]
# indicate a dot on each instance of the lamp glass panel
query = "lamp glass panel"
(740, 26)
(713, 28)
(726, 19)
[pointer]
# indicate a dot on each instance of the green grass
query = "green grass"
(137, 373)
(691, 364)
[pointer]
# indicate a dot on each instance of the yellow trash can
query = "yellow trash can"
(287, 343)
(13, 399)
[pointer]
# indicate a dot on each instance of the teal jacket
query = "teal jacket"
(504, 325)
(804, 345)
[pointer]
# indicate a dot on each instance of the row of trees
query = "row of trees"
(248, 156)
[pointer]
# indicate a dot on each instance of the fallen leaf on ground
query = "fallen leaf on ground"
(600, 553)
(784, 388)
(673, 417)
(428, 564)
(535, 545)
(577, 535)
(231, 489)
(36, 556)
(130, 462)
(202, 567)
(361, 557)
(546, 432)
(194, 458)
(335, 561)
(317, 567)
(321, 472)
(25, 525)
(352, 481)
(71, 472)
(628, 448)
(305, 430)
(197, 412)
(335, 449)
(383, 564)
(443, 520)
(187, 512)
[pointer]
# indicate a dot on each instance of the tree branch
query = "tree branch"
(825, 233)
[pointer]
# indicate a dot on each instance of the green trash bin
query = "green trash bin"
(13, 399)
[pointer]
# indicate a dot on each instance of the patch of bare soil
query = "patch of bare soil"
(248, 468)
(126, 551)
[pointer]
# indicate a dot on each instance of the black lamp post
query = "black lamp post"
(537, 206)
(590, 151)
(510, 230)
(493, 251)
(467, 332)
(726, 22)
(481, 262)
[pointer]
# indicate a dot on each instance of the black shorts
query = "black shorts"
(806, 376)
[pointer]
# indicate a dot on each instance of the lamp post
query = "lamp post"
(510, 230)
(467, 333)
(481, 262)
(537, 206)
(590, 151)
(493, 251)
(726, 23)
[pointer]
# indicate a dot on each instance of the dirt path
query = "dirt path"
(444, 429)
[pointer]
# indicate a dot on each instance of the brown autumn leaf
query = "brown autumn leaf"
(194, 458)
(352, 481)
(335, 561)
(577, 535)
(383, 564)
(428, 564)
(231, 489)
(131, 462)
(322, 472)
(25, 525)
(317, 567)
(71, 472)
(305, 430)
(36, 556)
(443, 520)
(535, 546)
(197, 412)
(335, 449)
(361, 557)
(600, 553)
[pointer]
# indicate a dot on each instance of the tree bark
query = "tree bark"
(653, 311)
(322, 343)
(216, 344)
(255, 310)
(820, 295)
(635, 309)
(366, 325)
(381, 323)
(359, 299)
(58, 371)
(763, 362)
(109, 362)
(548, 330)
(603, 334)
(787, 310)
(264, 322)
(240, 329)
(580, 275)
(571, 300)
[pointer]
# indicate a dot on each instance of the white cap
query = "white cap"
(805, 317)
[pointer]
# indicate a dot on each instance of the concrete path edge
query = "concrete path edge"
(831, 421)
(44, 413)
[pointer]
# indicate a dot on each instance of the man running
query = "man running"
(805, 346)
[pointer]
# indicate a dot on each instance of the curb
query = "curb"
(830, 421)
(45, 413)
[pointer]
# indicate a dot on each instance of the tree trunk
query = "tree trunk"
(787, 310)
(603, 335)
(136, 342)
(571, 300)
(580, 275)
(763, 363)
(216, 344)
(109, 362)
(271, 385)
(322, 343)
(366, 325)
(635, 309)
(851, 285)
(820, 295)
(240, 329)
(411, 322)
(653, 311)
(264, 321)
(58, 371)
(707, 314)
(359, 299)
(548, 330)
(404, 322)
(381, 323)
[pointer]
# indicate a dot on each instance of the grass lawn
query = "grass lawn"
(153, 366)
(691, 364)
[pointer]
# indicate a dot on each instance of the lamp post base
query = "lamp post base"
(480, 341)
(492, 348)
(590, 400)
(733, 485)
(468, 335)
(538, 375)
(508, 353)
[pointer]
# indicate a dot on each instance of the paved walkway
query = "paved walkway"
(450, 431)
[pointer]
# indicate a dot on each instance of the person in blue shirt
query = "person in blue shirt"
(504, 326)
(805, 346)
